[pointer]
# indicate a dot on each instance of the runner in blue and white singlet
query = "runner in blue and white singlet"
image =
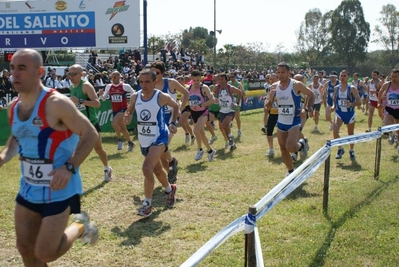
(289, 108)
(39, 156)
(151, 126)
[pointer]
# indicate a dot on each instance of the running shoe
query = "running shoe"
(294, 156)
(120, 144)
(303, 153)
(192, 140)
(213, 139)
(233, 147)
(90, 233)
(331, 127)
(352, 155)
(172, 173)
(211, 154)
(391, 139)
(145, 209)
(187, 138)
(108, 174)
(226, 145)
(171, 199)
(199, 154)
(239, 133)
(340, 152)
(270, 153)
(316, 129)
(130, 146)
(231, 141)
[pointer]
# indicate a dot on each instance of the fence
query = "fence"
(253, 249)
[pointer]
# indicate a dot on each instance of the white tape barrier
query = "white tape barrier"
(390, 128)
(296, 179)
(258, 249)
(233, 228)
(269, 196)
(279, 192)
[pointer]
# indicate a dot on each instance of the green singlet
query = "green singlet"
(89, 112)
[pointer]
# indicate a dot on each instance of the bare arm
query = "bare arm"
(207, 92)
(89, 90)
(237, 91)
(62, 110)
(63, 114)
(355, 93)
(270, 100)
(10, 150)
(130, 109)
(176, 86)
(241, 89)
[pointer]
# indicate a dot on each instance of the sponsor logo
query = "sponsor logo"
(37, 121)
(60, 5)
(145, 115)
(82, 5)
(119, 6)
(117, 31)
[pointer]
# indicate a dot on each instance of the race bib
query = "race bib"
(80, 107)
(116, 98)
(194, 102)
(342, 103)
(223, 104)
(393, 102)
(35, 171)
(285, 110)
(147, 128)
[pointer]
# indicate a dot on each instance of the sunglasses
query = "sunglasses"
(73, 73)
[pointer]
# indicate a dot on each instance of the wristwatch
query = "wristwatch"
(81, 101)
(70, 167)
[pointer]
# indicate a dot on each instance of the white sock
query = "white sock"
(168, 189)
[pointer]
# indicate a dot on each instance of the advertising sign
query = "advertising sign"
(66, 24)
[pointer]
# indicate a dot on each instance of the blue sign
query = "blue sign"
(70, 29)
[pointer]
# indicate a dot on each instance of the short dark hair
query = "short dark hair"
(196, 73)
(148, 71)
(376, 72)
(158, 65)
(283, 65)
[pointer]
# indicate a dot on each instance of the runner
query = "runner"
(85, 98)
(374, 87)
(148, 103)
(345, 99)
(224, 93)
(185, 115)
(328, 91)
(237, 109)
(118, 93)
(169, 86)
(316, 88)
(200, 99)
(389, 99)
(52, 139)
(288, 94)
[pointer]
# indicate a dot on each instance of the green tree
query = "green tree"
(313, 36)
(191, 36)
(387, 33)
(350, 33)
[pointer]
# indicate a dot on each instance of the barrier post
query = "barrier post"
(377, 160)
(326, 181)
(250, 255)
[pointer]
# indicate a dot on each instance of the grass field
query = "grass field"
(361, 226)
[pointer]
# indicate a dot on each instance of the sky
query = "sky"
(242, 22)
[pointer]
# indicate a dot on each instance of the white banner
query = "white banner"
(53, 24)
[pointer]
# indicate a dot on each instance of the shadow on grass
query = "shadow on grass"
(275, 160)
(114, 140)
(299, 192)
(354, 165)
(145, 226)
(321, 253)
(224, 153)
(197, 166)
(182, 148)
(395, 158)
(91, 190)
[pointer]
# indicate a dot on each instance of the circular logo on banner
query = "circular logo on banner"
(117, 30)
(60, 5)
